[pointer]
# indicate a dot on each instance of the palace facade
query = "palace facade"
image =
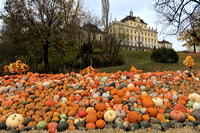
(137, 34)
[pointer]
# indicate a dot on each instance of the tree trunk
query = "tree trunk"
(194, 48)
(46, 56)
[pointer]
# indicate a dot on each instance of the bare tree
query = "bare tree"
(180, 14)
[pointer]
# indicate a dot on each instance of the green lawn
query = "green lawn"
(142, 61)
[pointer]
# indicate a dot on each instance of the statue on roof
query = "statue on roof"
(131, 13)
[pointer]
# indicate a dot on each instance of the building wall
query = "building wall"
(136, 34)
(191, 48)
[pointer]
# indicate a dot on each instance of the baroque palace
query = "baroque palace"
(138, 36)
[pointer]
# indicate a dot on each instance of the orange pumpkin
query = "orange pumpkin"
(100, 115)
(147, 102)
(134, 117)
(100, 107)
(91, 118)
(100, 123)
(117, 100)
(90, 126)
(160, 117)
(146, 117)
(177, 115)
(152, 111)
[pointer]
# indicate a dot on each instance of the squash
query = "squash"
(82, 112)
(177, 115)
(14, 120)
(41, 125)
(27, 120)
(100, 123)
(180, 107)
(196, 105)
(147, 102)
(134, 117)
(90, 126)
(160, 117)
(157, 101)
(3, 126)
(191, 118)
(63, 125)
(63, 116)
(146, 117)
(152, 111)
(100, 115)
(91, 118)
(100, 107)
(52, 127)
(110, 115)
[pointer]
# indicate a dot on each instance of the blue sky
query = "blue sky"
(120, 8)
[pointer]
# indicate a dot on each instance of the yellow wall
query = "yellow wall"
(148, 37)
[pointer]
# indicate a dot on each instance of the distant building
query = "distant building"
(191, 48)
(138, 36)
(92, 32)
(165, 44)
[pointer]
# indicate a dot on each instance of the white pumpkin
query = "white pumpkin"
(110, 115)
(157, 101)
(196, 105)
(14, 120)
(197, 99)
(193, 97)
(130, 85)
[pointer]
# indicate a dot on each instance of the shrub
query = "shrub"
(164, 55)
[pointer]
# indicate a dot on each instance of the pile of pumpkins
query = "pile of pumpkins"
(93, 100)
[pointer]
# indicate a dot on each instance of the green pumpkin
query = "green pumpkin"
(24, 102)
(41, 125)
(63, 116)
(63, 125)
(27, 120)
(3, 126)
(189, 104)
(167, 115)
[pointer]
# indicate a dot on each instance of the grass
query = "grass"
(141, 60)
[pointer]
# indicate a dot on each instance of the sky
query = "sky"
(142, 8)
(121, 8)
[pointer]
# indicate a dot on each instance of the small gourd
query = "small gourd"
(191, 118)
(100, 107)
(14, 120)
(90, 126)
(91, 118)
(189, 104)
(110, 115)
(134, 117)
(63, 125)
(41, 125)
(193, 97)
(100, 123)
(196, 105)
(177, 115)
(167, 115)
(2, 126)
(63, 116)
(158, 102)
(27, 120)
